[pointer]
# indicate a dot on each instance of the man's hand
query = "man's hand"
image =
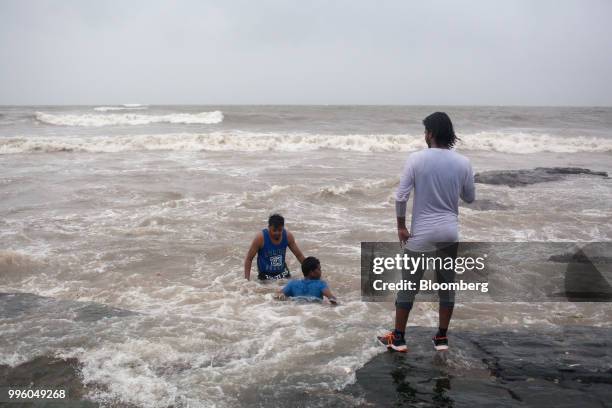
(403, 235)
(332, 299)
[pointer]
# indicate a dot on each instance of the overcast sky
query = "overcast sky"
(531, 52)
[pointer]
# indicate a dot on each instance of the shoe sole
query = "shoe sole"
(440, 348)
(399, 349)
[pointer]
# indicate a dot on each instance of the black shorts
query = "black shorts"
(281, 275)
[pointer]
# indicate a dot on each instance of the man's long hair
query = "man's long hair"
(441, 127)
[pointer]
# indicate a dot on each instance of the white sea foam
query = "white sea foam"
(519, 142)
(357, 187)
(114, 119)
(126, 106)
(165, 239)
(251, 141)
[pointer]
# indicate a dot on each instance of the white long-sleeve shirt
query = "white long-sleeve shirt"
(439, 177)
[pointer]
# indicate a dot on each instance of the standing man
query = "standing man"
(439, 176)
(270, 245)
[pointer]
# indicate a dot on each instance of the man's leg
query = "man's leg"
(395, 339)
(402, 311)
(403, 305)
(447, 298)
(444, 315)
(405, 298)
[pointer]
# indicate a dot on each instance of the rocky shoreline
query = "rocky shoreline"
(562, 367)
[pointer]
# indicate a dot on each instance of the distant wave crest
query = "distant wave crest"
(117, 119)
(125, 106)
(249, 141)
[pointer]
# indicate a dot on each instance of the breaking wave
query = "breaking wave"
(114, 119)
(517, 143)
(125, 106)
(359, 187)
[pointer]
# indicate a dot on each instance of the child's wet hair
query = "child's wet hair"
(310, 264)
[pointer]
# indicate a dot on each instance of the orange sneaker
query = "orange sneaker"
(393, 342)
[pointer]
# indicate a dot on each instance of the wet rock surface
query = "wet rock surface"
(517, 178)
(14, 305)
(47, 373)
(565, 367)
(485, 205)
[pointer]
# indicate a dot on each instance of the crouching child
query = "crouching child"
(312, 287)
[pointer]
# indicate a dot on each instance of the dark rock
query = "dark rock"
(566, 367)
(16, 304)
(515, 178)
(485, 205)
(47, 373)
(580, 257)
(584, 281)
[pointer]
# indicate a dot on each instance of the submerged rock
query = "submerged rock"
(20, 304)
(515, 178)
(485, 205)
(46, 372)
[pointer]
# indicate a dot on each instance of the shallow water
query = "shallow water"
(133, 236)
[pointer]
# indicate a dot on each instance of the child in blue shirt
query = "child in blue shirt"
(311, 287)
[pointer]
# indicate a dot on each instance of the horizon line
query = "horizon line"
(314, 104)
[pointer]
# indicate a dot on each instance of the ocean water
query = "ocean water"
(123, 231)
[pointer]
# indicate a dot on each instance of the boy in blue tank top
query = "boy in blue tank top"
(270, 246)
(311, 287)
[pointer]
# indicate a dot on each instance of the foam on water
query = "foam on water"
(141, 360)
(126, 106)
(162, 232)
(517, 143)
(119, 119)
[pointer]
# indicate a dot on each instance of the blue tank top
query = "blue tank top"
(271, 257)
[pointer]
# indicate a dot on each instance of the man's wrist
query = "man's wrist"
(400, 209)
(401, 223)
